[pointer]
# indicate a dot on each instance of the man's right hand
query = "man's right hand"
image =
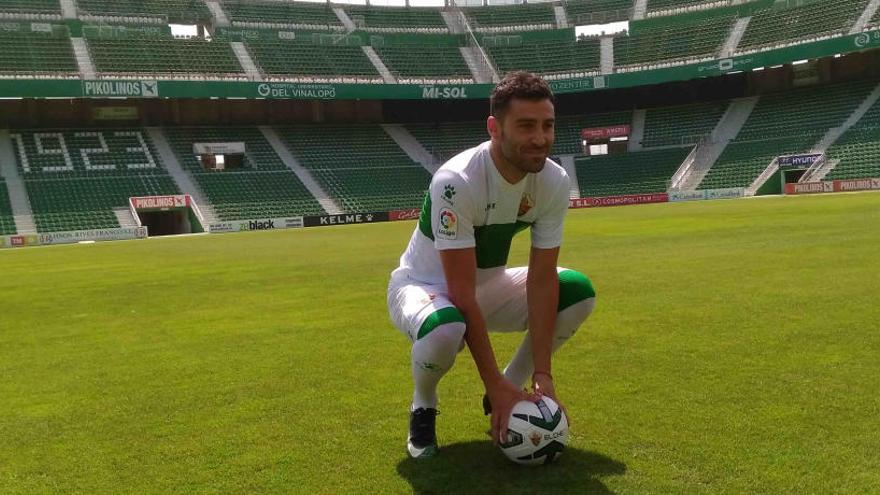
(503, 395)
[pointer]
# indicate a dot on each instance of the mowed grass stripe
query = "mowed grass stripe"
(733, 350)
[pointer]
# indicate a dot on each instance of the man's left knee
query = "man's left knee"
(574, 287)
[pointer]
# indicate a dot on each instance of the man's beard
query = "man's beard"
(521, 161)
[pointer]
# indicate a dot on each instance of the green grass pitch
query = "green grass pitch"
(734, 349)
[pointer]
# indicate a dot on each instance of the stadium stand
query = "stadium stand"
(7, 222)
(397, 19)
(302, 59)
(26, 51)
(628, 173)
(581, 12)
(547, 57)
(783, 25)
(658, 5)
(446, 139)
(500, 18)
(74, 179)
(783, 123)
(694, 40)
(858, 149)
(568, 129)
(31, 6)
(268, 13)
(684, 124)
(359, 165)
(425, 61)
(165, 56)
(263, 187)
(172, 10)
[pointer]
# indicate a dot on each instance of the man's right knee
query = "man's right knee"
(450, 318)
(444, 327)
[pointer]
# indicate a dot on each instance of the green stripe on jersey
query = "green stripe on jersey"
(442, 316)
(425, 218)
(493, 242)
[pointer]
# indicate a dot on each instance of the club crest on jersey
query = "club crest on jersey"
(525, 204)
(448, 227)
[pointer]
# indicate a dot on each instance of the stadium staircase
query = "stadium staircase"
(567, 162)
(867, 15)
(68, 9)
(783, 123)
(126, 219)
(637, 130)
(359, 165)
(640, 10)
(246, 62)
(261, 187)
(301, 172)
(701, 159)
(412, 147)
(606, 54)
(561, 18)
(19, 217)
(344, 19)
(83, 59)
(735, 36)
(220, 18)
(183, 181)
(379, 65)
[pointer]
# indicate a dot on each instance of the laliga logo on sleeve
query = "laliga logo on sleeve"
(448, 228)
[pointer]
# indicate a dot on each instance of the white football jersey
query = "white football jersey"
(469, 204)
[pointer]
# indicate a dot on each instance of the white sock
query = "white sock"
(432, 356)
(568, 321)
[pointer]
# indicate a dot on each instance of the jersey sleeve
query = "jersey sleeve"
(452, 214)
(547, 229)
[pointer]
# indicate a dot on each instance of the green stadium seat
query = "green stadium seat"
(546, 57)
(263, 187)
(397, 19)
(74, 179)
(7, 220)
(173, 11)
(268, 13)
(688, 41)
(581, 12)
(782, 25)
(302, 59)
(682, 124)
(39, 7)
(858, 149)
(27, 52)
(639, 172)
(425, 62)
(506, 18)
(164, 56)
(359, 165)
(780, 124)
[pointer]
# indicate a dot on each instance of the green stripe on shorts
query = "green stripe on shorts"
(442, 316)
(574, 287)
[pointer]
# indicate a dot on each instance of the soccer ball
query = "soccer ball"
(537, 432)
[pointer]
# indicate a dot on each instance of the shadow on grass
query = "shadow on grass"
(479, 467)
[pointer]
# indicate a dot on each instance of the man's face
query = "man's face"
(525, 133)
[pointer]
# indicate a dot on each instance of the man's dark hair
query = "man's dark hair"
(517, 85)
